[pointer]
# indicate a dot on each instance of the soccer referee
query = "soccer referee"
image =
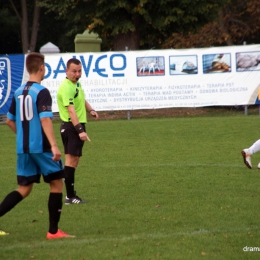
(73, 110)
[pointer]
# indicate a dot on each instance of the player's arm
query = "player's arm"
(91, 110)
(48, 130)
(75, 121)
(11, 118)
(11, 124)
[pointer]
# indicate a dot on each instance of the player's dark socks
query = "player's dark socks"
(9, 202)
(54, 206)
(69, 180)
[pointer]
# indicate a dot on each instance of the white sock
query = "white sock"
(255, 147)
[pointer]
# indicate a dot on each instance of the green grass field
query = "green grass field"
(158, 188)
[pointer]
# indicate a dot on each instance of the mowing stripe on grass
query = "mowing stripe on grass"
(176, 165)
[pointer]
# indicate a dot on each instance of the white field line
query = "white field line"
(76, 241)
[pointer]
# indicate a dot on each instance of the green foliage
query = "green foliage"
(157, 24)
(153, 20)
(9, 23)
(237, 21)
(160, 188)
(50, 29)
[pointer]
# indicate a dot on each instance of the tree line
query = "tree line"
(26, 25)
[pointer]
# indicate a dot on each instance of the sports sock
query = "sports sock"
(10, 201)
(255, 147)
(69, 180)
(54, 206)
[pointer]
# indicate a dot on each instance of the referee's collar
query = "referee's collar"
(77, 83)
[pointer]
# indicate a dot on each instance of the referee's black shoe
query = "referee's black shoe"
(74, 200)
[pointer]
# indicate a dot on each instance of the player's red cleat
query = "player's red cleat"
(57, 235)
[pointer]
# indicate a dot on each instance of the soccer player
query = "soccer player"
(73, 112)
(29, 116)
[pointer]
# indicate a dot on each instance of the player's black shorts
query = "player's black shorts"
(70, 138)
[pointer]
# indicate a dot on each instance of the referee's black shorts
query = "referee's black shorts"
(70, 138)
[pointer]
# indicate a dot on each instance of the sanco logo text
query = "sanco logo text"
(115, 64)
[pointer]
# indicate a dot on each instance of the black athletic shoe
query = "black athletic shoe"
(74, 200)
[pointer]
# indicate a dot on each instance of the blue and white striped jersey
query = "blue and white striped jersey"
(30, 103)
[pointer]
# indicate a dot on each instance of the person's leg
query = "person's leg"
(71, 162)
(255, 147)
(73, 151)
(55, 207)
(55, 204)
(53, 174)
(14, 197)
(27, 174)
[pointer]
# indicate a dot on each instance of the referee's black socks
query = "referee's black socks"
(69, 180)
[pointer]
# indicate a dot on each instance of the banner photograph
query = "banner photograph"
(129, 80)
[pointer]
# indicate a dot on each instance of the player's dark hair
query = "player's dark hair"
(74, 61)
(33, 62)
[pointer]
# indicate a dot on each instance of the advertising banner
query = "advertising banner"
(11, 77)
(128, 80)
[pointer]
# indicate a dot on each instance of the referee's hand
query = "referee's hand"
(84, 137)
(94, 114)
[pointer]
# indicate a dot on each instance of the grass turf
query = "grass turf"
(158, 188)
